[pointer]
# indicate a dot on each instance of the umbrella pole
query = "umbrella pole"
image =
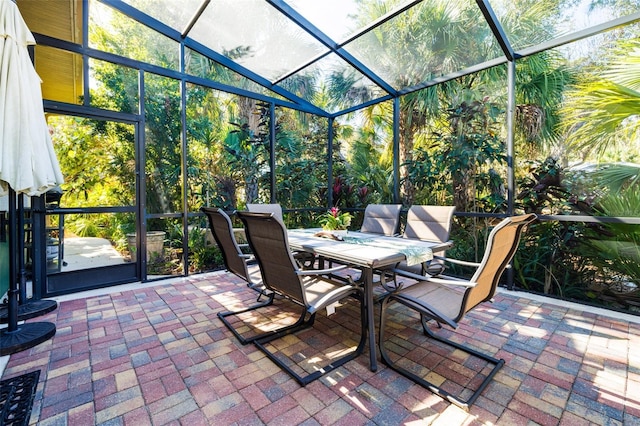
(27, 308)
(22, 272)
(13, 249)
(16, 338)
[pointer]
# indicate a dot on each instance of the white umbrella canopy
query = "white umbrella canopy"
(28, 166)
(28, 163)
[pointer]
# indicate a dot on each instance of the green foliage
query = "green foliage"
(542, 191)
(462, 159)
(301, 152)
(118, 88)
(83, 226)
(584, 261)
(205, 259)
(334, 219)
(621, 203)
(602, 113)
(203, 256)
(163, 151)
(247, 151)
(550, 260)
(108, 147)
(208, 177)
(542, 80)
(369, 171)
(615, 247)
(618, 178)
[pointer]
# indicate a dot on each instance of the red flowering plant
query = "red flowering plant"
(335, 220)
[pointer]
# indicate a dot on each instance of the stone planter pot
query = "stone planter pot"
(155, 243)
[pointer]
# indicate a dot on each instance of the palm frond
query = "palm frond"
(625, 203)
(618, 177)
(626, 72)
(601, 115)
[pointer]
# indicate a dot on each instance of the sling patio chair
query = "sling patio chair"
(274, 208)
(429, 222)
(382, 219)
(446, 300)
(306, 260)
(426, 223)
(310, 290)
(235, 261)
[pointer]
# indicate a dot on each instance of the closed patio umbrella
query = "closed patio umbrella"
(28, 165)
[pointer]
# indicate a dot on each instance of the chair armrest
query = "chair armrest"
(332, 296)
(448, 280)
(452, 281)
(321, 271)
(249, 259)
(457, 262)
(408, 274)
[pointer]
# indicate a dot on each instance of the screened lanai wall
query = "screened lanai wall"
(494, 107)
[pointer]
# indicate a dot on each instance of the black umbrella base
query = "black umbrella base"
(28, 310)
(25, 336)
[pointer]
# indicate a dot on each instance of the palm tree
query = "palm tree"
(438, 38)
(416, 46)
(603, 110)
(603, 119)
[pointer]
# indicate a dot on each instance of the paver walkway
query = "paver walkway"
(159, 355)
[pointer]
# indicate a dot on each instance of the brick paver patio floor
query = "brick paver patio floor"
(159, 355)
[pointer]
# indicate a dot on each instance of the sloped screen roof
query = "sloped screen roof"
(308, 51)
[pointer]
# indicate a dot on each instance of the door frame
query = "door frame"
(59, 283)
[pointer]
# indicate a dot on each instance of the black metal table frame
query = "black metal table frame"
(366, 258)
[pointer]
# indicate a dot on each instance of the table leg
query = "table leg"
(368, 289)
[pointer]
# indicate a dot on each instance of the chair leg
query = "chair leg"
(464, 404)
(305, 260)
(304, 380)
(300, 323)
(425, 326)
(389, 286)
(261, 292)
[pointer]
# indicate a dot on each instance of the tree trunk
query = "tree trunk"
(246, 108)
(251, 189)
(463, 190)
(410, 123)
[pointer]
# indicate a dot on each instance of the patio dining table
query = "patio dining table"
(367, 252)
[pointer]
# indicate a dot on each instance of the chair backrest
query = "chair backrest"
(222, 230)
(381, 219)
(274, 208)
(430, 223)
(267, 237)
(501, 246)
